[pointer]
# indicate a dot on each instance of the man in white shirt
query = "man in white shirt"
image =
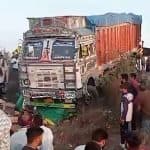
(80, 147)
(19, 139)
(47, 141)
(14, 62)
(126, 112)
(4, 73)
(4, 66)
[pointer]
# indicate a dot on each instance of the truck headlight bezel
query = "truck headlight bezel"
(26, 82)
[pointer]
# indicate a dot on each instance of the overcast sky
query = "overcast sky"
(13, 14)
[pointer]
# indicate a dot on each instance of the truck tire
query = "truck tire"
(93, 94)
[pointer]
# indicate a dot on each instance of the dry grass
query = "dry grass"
(105, 114)
(78, 130)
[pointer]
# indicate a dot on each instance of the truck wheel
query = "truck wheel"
(100, 91)
(93, 94)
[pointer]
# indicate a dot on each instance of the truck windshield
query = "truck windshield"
(63, 49)
(33, 49)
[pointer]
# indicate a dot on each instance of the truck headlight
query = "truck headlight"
(26, 82)
(70, 94)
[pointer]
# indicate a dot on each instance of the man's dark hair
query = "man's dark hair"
(92, 146)
(133, 140)
(124, 76)
(32, 133)
(99, 134)
(37, 121)
(124, 86)
(133, 75)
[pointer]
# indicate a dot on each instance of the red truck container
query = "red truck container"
(114, 40)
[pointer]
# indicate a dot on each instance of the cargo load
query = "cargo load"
(116, 34)
(111, 19)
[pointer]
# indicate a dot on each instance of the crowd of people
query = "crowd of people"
(100, 137)
(132, 114)
(129, 92)
(34, 135)
(143, 64)
(134, 117)
(8, 70)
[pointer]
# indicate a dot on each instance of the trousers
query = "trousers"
(124, 129)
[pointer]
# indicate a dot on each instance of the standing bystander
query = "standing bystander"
(4, 73)
(14, 62)
(143, 105)
(143, 63)
(98, 141)
(124, 78)
(34, 138)
(134, 88)
(18, 139)
(126, 108)
(134, 142)
(148, 64)
(2, 82)
(47, 140)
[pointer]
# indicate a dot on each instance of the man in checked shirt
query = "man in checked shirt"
(5, 126)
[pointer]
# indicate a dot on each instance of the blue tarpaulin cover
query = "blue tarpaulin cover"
(110, 19)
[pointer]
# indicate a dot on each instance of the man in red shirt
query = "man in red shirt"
(134, 88)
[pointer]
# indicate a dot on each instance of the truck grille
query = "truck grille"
(46, 77)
